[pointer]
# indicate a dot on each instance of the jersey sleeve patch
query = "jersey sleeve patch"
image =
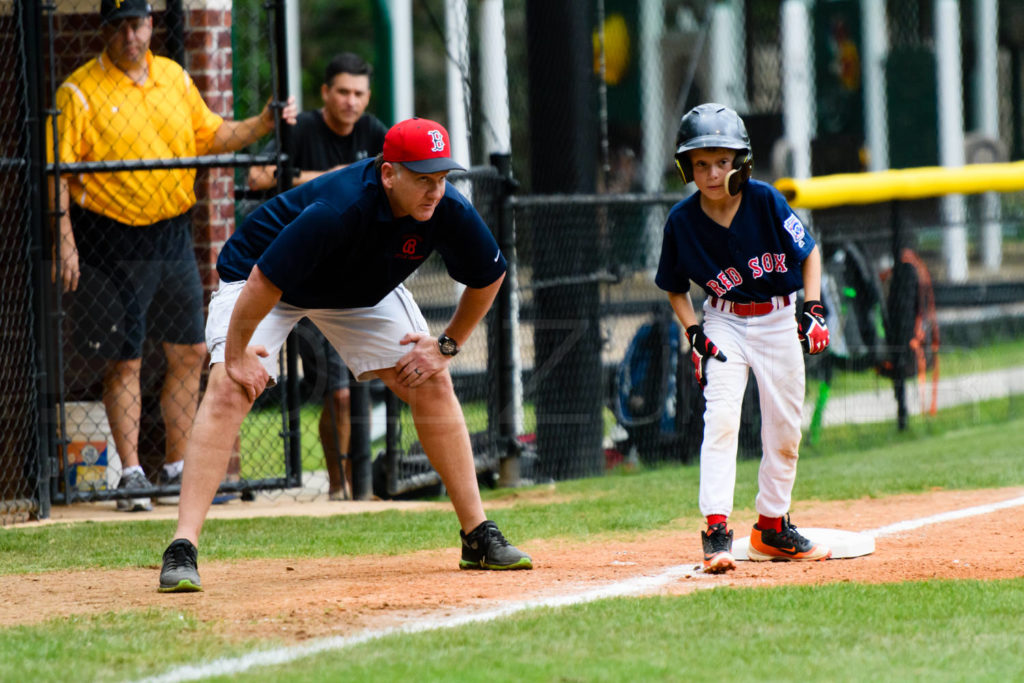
(795, 228)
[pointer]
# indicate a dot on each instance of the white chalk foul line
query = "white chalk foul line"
(233, 665)
(637, 585)
(944, 517)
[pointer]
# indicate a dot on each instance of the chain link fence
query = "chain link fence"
(595, 92)
(21, 470)
(824, 88)
(147, 202)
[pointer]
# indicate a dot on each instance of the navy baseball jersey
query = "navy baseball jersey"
(334, 243)
(757, 257)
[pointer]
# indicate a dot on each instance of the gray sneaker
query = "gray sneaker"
(134, 480)
(486, 548)
(180, 573)
(163, 479)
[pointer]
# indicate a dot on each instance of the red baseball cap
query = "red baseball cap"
(421, 145)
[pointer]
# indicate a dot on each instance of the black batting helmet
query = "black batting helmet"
(714, 125)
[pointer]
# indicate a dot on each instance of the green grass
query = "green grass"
(262, 451)
(261, 445)
(935, 631)
(924, 631)
(945, 630)
(955, 454)
(111, 646)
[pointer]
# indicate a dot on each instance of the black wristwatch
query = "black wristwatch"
(447, 345)
(296, 172)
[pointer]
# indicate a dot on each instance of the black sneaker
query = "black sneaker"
(485, 548)
(179, 574)
(717, 549)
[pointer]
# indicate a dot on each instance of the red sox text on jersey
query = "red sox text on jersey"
(759, 265)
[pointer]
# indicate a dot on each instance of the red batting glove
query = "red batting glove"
(812, 329)
(701, 349)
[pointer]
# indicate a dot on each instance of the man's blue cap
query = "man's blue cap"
(116, 10)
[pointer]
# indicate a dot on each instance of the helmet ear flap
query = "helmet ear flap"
(685, 167)
(740, 174)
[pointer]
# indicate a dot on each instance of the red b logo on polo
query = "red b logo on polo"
(409, 249)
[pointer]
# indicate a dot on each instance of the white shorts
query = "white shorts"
(366, 338)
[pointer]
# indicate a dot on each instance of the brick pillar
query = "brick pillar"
(208, 60)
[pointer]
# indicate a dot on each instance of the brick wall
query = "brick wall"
(208, 60)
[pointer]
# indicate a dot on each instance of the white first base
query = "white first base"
(843, 543)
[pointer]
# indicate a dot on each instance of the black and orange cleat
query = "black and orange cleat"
(784, 545)
(717, 542)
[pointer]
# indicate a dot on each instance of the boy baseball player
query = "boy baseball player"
(741, 243)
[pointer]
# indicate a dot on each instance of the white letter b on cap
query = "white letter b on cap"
(438, 140)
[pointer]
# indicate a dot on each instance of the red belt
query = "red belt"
(750, 308)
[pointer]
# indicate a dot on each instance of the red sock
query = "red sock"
(765, 523)
(716, 519)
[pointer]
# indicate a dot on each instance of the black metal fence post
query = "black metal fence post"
(38, 204)
(567, 340)
(901, 313)
(174, 21)
(391, 443)
(504, 333)
(293, 440)
(359, 442)
(293, 429)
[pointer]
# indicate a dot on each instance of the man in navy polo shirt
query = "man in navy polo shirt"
(336, 250)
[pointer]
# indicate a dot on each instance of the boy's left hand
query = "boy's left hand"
(812, 329)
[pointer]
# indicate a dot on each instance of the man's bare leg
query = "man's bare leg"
(335, 436)
(220, 414)
(445, 439)
(180, 395)
(122, 398)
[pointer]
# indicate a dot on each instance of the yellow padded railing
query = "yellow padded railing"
(824, 192)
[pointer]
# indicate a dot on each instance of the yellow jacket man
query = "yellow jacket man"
(127, 234)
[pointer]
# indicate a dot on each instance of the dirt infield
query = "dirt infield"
(294, 600)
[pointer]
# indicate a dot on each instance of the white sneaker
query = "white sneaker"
(163, 479)
(134, 480)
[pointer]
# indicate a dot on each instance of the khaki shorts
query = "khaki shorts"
(366, 338)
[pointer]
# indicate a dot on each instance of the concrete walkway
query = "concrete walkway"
(880, 405)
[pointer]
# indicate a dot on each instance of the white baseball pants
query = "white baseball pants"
(769, 346)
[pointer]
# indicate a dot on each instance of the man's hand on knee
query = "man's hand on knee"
(249, 372)
(422, 362)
